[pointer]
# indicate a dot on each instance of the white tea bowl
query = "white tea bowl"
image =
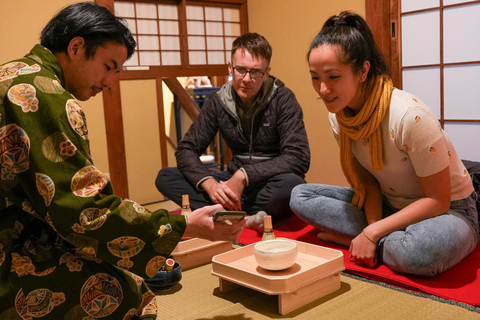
(277, 254)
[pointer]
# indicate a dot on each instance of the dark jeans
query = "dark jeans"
(271, 196)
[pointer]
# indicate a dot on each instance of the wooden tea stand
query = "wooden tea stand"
(315, 274)
(194, 252)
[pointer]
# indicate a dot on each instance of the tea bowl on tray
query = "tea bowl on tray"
(277, 254)
(164, 280)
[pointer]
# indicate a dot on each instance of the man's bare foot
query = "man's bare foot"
(328, 237)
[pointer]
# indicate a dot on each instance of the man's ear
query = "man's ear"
(76, 48)
(267, 73)
(230, 68)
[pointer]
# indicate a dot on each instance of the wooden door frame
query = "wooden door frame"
(115, 135)
(382, 16)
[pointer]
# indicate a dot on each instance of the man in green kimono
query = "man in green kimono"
(69, 248)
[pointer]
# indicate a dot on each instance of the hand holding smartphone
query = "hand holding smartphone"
(229, 217)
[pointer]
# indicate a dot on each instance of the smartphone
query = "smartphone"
(229, 217)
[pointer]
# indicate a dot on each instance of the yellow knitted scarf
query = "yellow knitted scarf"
(365, 124)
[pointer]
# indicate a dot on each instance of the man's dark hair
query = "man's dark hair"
(255, 44)
(94, 23)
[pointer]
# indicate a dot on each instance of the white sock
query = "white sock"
(256, 221)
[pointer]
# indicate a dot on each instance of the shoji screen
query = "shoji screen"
(156, 30)
(210, 31)
(441, 65)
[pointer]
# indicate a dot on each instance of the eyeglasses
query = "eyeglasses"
(242, 72)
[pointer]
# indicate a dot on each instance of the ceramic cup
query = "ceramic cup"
(277, 254)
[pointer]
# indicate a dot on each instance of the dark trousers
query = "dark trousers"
(271, 196)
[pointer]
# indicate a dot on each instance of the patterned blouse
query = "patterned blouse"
(414, 145)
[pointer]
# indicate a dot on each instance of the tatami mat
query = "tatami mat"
(197, 297)
(167, 205)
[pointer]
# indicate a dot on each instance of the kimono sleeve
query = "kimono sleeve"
(48, 172)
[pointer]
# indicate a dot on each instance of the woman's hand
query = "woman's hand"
(363, 250)
(200, 224)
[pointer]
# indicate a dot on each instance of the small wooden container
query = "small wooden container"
(195, 251)
(186, 205)
(315, 274)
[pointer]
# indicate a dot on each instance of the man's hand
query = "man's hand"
(222, 194)
(200, 224)
(236, 184)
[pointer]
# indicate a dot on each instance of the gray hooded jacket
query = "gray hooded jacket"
(278, 143)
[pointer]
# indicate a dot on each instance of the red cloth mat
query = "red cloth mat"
(461, 283)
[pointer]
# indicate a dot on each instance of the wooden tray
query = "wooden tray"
(315, 274)
(195, 252)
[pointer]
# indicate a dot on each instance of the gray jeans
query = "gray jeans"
(426, 248)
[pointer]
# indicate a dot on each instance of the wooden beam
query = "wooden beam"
(183, 97)
(395, 44)
(117, 160)
(377, 13)
(383, 19)
(107, 3)
(161, 123)
(152, 72)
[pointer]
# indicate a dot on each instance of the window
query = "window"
(183, 34)
(436, 57)
(155, 27)
(211, 31)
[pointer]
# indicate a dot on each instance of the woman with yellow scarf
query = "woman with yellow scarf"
(411, 204)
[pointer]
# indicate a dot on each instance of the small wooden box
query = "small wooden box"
(195, 252)
(315, 274)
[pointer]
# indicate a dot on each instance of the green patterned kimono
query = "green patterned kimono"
(69, 248)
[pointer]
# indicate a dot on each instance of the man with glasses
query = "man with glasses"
(262, 123)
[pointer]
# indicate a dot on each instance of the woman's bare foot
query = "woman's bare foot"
(328, 237)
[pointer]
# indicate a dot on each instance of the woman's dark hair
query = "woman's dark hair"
(254, 43)
(352, 34)
(94, 23)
